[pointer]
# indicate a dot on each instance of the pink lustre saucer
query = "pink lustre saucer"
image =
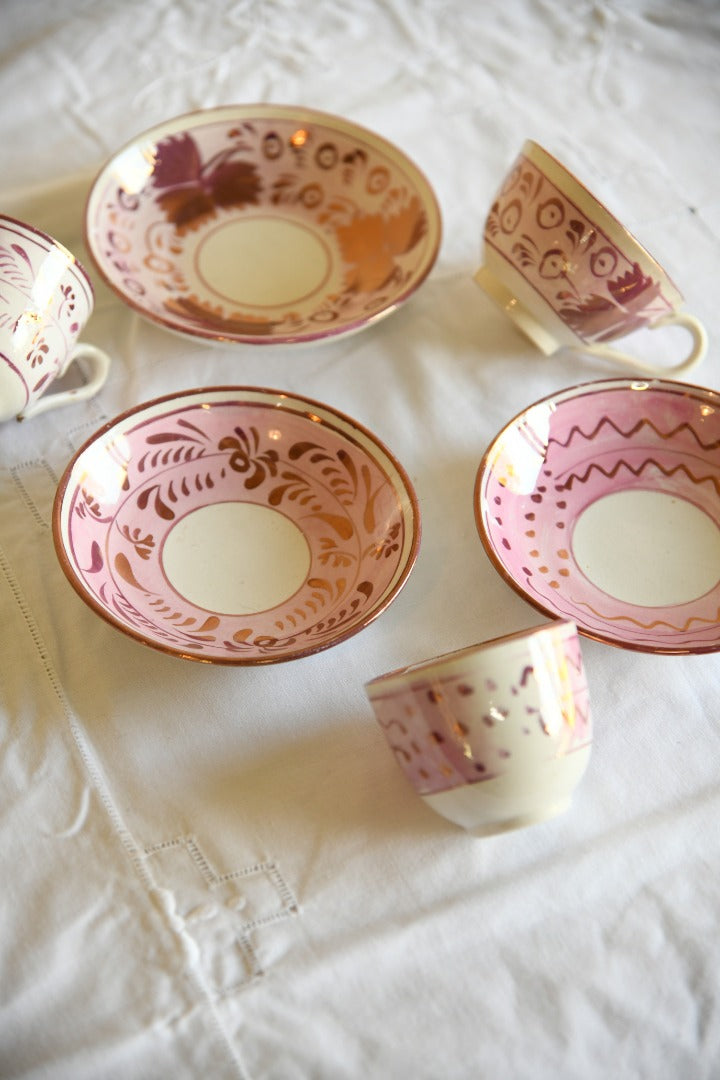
(236, 525)
(262, 224)
(601, 504)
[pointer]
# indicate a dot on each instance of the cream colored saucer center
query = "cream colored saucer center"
(648, 548)
(263, 262)
(236, 558)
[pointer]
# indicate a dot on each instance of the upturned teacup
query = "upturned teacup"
(46, 298)
(568, 273)
(497, 735)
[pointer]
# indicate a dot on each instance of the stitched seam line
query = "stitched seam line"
(288, 903)
(78, 737)
(15, 476)
(131, 848)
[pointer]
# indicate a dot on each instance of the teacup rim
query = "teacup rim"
(438, 666)
(610, 217)
(73, 260)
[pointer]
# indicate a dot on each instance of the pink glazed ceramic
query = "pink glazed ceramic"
(495, 736)
(601, 504)
(568, 273)
(236, 525)
(46, 298)
(262, 224)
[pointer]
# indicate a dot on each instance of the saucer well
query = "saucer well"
(262, 224)
(601, 504)
(236, 525)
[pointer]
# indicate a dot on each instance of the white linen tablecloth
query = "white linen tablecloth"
(219, 873)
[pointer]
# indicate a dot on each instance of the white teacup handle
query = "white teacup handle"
(675, 318)
(98, 364)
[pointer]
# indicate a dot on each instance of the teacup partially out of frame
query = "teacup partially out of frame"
(495, 736)
(46, 299)
(568, 273)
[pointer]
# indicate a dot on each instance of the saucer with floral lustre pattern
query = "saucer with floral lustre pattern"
(236, 525)
(262, 224)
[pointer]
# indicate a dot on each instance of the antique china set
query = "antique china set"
(244, 525)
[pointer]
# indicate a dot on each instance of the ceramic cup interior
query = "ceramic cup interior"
(495, 736)
(568, 273)
(46, 298)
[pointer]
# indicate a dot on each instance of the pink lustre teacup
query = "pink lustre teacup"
(46, 299)
(495, 736)
(568, 273)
